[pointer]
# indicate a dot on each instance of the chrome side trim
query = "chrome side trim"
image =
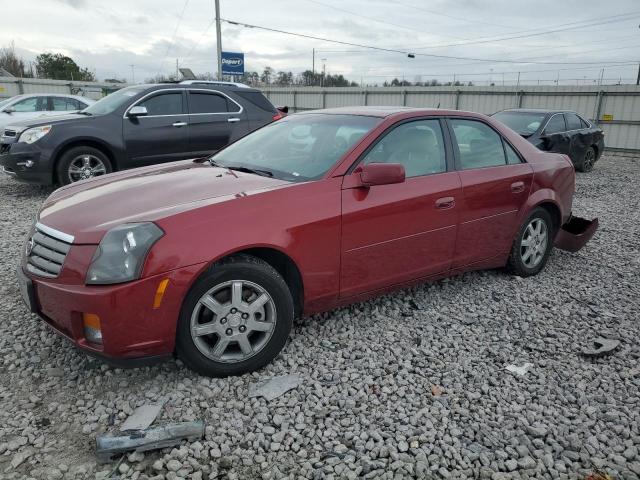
(52, 232)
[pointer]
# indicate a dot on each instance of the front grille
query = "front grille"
(4, 147)
(46, 252)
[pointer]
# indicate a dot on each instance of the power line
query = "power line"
(404, 52)
(197, 43)
(175, 32)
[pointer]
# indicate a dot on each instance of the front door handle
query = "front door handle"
(233, 120)
(517, 187)
(445, 203)
(180, 124)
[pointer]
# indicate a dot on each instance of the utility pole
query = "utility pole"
(177, 69)
(638, 80)
(219, 39)
(324, 70)
(313, 63)
(133, 73)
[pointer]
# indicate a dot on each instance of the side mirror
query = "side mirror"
(137, 111)
(381, 174)
(9, 110)
(284, 109)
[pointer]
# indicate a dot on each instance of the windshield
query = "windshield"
(114, 100)
(524, 123)
(5, 102)
(298, 148)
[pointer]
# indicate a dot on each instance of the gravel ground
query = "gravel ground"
(410, 385)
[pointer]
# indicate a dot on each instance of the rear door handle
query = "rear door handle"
(517, 187)
(180, 124)
(445, 203)
(233, 120)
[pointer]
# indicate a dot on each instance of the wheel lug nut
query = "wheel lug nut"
(229, 331)
(233, 310)
(223, 320)
(245, 316)
(243, 328)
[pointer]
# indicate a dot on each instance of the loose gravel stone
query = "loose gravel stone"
(367, 407)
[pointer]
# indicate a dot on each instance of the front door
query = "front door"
(160, 136)
(495, 185)
(396, 233)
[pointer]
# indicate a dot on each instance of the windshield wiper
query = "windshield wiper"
(82, 112)
(213, 163)
(256, 171)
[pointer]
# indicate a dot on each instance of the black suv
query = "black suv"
(135, 126)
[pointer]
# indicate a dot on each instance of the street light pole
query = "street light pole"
(219, 39)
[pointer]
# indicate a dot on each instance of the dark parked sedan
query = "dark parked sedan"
(133, 127)
(558, 131)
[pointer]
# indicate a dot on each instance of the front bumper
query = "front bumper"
(25, 162)
(133, 331)
(575, 233)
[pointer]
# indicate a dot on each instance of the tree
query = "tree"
(266, 75)
(284, 78)
(60, 67)
(12, 63)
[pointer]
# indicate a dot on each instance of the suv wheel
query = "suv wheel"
(80, 163)
(586, 164)
(235, 319)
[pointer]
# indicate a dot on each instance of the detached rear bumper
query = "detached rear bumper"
(575, 233)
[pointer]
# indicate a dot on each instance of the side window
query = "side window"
(512, 157)
(201, 102)
(555, 125)
(417, 145)
(26, 105)
(573, 121)
(584, 123)
(59, 104)
(479, 145)
(164, 104)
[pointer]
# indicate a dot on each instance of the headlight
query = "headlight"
(121, 253)
(33, 134)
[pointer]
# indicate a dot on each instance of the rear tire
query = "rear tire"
(81, 163)
(235, 319)
(587, 161)
(532, 245)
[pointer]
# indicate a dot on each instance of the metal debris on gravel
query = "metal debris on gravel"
(365, 409)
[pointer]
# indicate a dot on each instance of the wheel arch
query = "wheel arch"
(280, 261)
(83, 142)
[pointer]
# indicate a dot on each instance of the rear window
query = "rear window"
(258, 99)
(524, 123)
(573, 121)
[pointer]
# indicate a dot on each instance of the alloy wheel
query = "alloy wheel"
(85, 166)
(233, 321)
(534, 243)
(589, 160)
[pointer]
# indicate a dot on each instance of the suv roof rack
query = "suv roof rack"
(214, 82)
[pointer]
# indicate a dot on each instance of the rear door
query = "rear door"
(396, 233)
(555, 136)
(215, 120)
(581, 136)
(160, 136)
(495, 185)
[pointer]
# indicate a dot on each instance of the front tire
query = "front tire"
(532, 245)
(81, 163)
(235, 319)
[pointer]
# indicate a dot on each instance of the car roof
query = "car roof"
(384, 111)
(535, 110)
(201, 85)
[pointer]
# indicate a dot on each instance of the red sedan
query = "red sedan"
(212, 259)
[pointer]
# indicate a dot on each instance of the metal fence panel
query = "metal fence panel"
(614, 108)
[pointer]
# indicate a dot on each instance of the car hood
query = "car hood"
(21, 125)
(89, 208)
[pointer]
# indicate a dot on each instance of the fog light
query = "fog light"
(92, 330)
(28, 163)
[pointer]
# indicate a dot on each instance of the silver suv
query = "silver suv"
(33, 105)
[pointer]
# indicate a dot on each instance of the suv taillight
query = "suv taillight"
(277, 116)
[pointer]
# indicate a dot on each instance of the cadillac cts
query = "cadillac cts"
(211, 259)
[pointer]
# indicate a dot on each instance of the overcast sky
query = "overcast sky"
(108, 37)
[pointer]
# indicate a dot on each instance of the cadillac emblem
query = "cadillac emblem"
(29, 246)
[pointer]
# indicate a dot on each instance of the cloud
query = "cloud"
(74, 3)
